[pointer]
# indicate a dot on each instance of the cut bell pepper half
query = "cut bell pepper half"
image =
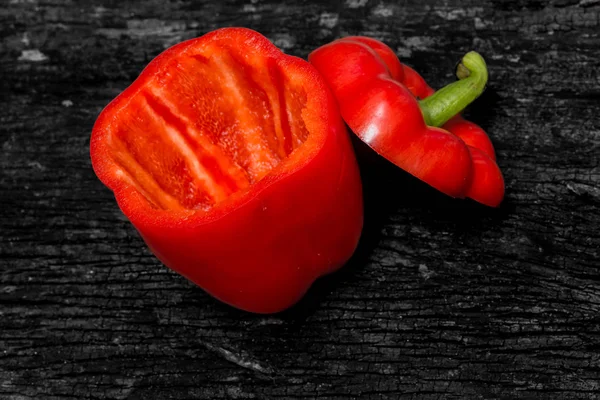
(231, 160)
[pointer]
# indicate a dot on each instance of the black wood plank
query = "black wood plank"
(443, 299)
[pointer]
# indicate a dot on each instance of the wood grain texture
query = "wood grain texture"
(443, 299)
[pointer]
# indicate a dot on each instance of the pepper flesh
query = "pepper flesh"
(231, 160)
(378, 98)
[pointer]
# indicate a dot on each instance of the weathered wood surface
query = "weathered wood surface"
(443, 300)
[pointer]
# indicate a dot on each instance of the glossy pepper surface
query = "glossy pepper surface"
(231, 160)
(392, 109)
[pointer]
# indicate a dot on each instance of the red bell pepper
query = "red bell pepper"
(231, 160)
(379, 100)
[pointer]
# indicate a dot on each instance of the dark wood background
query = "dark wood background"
(443, 300)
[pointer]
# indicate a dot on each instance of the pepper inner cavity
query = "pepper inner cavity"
(204, 128)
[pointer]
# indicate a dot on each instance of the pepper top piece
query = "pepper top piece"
(392, 109)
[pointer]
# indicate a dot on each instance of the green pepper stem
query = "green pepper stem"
(453, 98)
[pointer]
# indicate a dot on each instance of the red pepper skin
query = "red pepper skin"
(377, 98)
(487, 185)
(260, 246)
